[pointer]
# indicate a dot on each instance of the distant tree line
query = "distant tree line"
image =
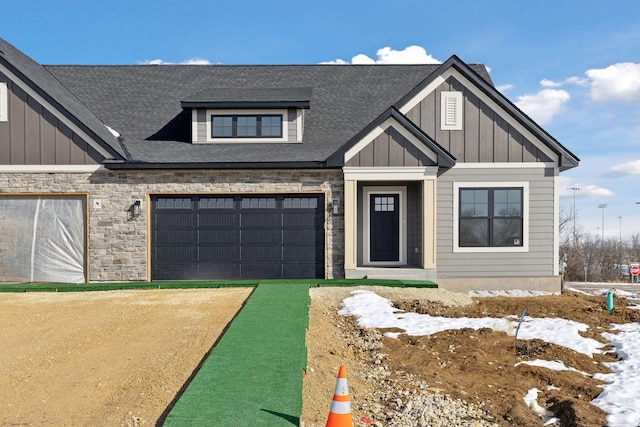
(605, 258)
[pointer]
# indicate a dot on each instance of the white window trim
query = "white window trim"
(455, 97)
(402, 194)
(4, 104)
(456, 217)
(285, 125)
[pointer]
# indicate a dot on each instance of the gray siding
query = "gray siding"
(485, 136)
(34, 136)
(390, 149)
(540, 260)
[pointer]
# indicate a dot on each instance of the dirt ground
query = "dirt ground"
(120, 358)
(115, 358)
(476, 366)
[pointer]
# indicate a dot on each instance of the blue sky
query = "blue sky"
(574, 66)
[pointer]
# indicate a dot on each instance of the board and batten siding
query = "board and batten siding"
(486, 137)
(539, 261)
(390, 148)
(33, 135)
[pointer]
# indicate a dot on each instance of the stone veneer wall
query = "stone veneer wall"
(118, 244)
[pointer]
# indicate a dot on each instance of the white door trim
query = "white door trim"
(401, 191)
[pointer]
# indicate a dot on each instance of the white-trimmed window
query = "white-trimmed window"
(491, 217)
(247, 125)
(4, 102)
(451, 110)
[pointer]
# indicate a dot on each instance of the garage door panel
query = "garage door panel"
(178, 271)
(260, 270)
(219, 270)
(301, 219)
(176, 253)
(299, 253)
(293, 271)
(249, 237)
(217, 219)
(238, 237)
(260, 253)
(219, 237)
(219, 253)
(259, 220)
(300, 237)
(172, 220)
(177, 236)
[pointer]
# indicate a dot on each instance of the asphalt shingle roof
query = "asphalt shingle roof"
(55, 92)
(143, 104)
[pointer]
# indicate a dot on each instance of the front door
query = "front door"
(384, 227)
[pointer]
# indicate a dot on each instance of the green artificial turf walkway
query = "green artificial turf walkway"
(253, 376)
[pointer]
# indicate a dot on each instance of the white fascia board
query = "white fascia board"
(4, 103)
(33, 94)
(378, 130)
(415, 173)
(556, 221)
(504, 165)
(51, 168)
(451, 72)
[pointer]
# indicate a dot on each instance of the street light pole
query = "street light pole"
(574, 188)
(620, 238)
(602, 206)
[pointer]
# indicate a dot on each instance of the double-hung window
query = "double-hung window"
(491, 217)
(246, 126)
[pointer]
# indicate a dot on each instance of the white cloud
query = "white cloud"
(593, 191)
(504, 88)
(192, 61)
(544, 105)
(550, 83)
(585, 191)
(579, 81)
(386, 55)
(626, 169)
(619, 82)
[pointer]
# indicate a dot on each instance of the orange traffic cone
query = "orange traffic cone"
(340, 414)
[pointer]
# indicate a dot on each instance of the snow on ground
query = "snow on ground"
(621, 395)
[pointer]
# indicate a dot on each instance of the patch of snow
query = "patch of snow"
(620, 397)
(113, 132)
(555, 365)
(511, 293)
(531, 399)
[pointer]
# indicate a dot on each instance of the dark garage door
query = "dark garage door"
(237, 237)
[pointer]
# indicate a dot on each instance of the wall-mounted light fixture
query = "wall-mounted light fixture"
(135, 209)
(335, 206)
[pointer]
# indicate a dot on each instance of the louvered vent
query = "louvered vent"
(451, 117)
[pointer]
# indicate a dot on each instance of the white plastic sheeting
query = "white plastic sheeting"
(42, 239)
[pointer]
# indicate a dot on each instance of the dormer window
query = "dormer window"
(246, 126)
(243, 115)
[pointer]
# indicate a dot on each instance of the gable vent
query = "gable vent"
(451, 111)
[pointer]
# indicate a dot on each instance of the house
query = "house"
(161, 172)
